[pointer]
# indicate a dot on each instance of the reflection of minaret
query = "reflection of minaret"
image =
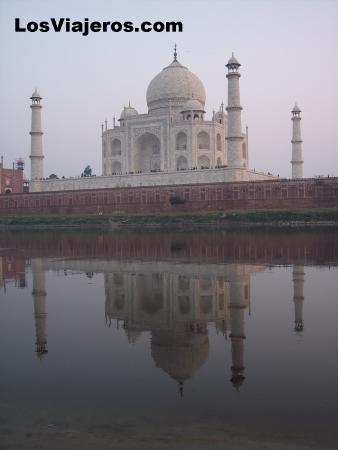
(239, 300)
(39, 294)
(298, 295)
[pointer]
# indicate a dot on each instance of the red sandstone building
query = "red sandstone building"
(11, 180)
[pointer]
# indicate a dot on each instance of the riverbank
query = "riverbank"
(281, 218)
(130, 436)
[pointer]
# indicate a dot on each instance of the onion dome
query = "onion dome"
(173, 87)
(233, 61)
(127, 112)
(296, 109)
(36, 94)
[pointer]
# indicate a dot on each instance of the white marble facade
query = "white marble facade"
(173, 135)
(173, 143)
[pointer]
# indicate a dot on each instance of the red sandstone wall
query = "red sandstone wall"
(305, 193)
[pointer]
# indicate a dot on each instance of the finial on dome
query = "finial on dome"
(175, 53)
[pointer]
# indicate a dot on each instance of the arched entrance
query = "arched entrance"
(147, 156)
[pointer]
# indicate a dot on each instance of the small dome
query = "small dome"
(128, 111)
(220, 114)
(193, 105)
(36, 94)
(173, 87)
(233, 61)
(296, 108)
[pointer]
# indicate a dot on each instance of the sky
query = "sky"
(288, 51)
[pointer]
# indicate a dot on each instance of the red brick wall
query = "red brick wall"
(304, 193)
(11, 179)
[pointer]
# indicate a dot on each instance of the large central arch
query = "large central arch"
(147, 155)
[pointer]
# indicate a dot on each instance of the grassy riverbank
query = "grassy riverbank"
(219, 219)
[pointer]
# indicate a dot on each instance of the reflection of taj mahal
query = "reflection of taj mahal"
(175, 302)
(177, 308)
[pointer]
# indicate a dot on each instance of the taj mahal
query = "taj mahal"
(173, 143)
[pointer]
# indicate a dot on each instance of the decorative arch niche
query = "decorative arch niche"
(181, 141)
(203, 140)
(116, 147)
(181, 163)
(147, 154)
(219, 142)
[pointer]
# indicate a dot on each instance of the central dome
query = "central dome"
(173, 87)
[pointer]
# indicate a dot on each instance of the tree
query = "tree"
(87, 172)
(53, 176)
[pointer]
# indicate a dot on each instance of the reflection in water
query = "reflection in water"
(175, 305)
(120, 305)
(298, 296)
(39, 296)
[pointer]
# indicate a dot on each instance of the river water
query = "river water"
(169, 340)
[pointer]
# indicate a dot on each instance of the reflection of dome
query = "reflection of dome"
(179, 354)
(133, 335)
(128, 111)
(173, 87)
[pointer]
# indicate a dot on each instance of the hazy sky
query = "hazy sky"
(288, 51)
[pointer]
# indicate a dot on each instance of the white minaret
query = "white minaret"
(36, 155)
(234, 109)
(297, 153)
(298, 275)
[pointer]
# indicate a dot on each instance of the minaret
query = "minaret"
(298, 295)
(36, 155)
(39, 295)
(234, 109)
(239, 298)
(297, 153)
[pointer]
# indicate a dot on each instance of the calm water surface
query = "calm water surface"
(107, 332)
